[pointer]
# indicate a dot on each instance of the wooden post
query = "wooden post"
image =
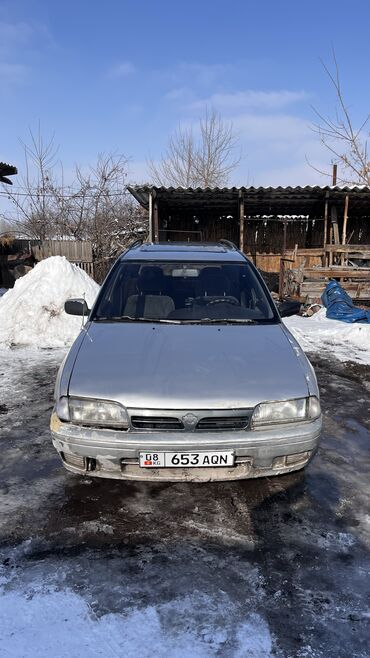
(155, 221)
(241, 221)
(334, 222)
(344, 232)
(326, 213)
(150, 235)
(282, 262)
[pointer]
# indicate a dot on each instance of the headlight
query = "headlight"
(98, 413)
(289, 411)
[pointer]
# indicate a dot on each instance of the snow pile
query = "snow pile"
(32, 313)
(348, 342)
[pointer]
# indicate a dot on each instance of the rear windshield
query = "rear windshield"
(184, 292)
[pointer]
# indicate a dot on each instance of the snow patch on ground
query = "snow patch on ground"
(232, 538)
(32, 313)
(42, 622)
(97, 526)
(348, 342)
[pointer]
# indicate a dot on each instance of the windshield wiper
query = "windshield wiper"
(129, 318)
(221, 321)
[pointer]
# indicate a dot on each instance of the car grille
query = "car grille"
(156, 423)
(219, 421)
(222, 423)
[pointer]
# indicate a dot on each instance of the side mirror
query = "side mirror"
(288, 307)
(76, 307)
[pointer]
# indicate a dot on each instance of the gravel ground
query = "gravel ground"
(270, 567)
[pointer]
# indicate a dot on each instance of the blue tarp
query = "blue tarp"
(339, 305)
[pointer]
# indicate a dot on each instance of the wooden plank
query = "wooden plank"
(151, 231)
(314, 251)
(355, 290)
(74, 250)
(345, 218)
(155, 221)
(326, 215)
(334, 224)
(331, 241)
(337, 272)
(344, 248)
(355, 256)
(344, 232)
(320, 285)
(289, 253)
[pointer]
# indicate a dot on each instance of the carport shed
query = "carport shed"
(277, 227)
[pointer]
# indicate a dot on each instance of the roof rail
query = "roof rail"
(228, 243)
(135, 244)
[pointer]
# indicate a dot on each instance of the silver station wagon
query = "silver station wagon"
(184, 371)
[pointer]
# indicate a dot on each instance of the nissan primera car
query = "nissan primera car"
(184, 371)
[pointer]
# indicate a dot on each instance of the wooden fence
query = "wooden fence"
(76, 251)
(26, 252)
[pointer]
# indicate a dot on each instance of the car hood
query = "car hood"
(156, 366)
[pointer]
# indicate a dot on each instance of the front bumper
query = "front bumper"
(115, 454)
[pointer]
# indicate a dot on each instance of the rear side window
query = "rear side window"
(184, 291)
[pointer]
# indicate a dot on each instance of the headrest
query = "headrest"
(214, 281)
(150, 280)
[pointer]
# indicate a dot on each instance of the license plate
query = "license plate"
(186, 459)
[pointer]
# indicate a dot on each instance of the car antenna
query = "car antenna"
(83, 328)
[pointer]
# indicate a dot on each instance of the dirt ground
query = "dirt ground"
(268, 567)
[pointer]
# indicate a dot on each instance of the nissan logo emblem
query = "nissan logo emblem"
(190, 421)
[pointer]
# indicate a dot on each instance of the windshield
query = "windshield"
(184, 292)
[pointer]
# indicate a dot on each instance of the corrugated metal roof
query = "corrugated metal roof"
(308, 200)
(7, 170)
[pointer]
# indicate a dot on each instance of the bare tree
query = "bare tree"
(346, 143)
(101, 210)
(6, 227)
(202, 158)
(95, 206)
(34, 199)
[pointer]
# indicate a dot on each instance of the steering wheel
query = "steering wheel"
(223, 300)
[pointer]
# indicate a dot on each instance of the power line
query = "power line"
(61, 196)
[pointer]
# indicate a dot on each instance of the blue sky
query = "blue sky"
(119, 76)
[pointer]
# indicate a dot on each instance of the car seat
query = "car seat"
(212, 282)
(150, 302)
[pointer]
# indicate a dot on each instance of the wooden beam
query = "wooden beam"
(150, 235)
(337, 271)
(345, 248)
(331, 241)
(345, 217)
(352, 286)
(314, 251)
(241, 221)
(326, 214)
(155, 221)
(282, 263)
(309, 292)
(334, 222)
